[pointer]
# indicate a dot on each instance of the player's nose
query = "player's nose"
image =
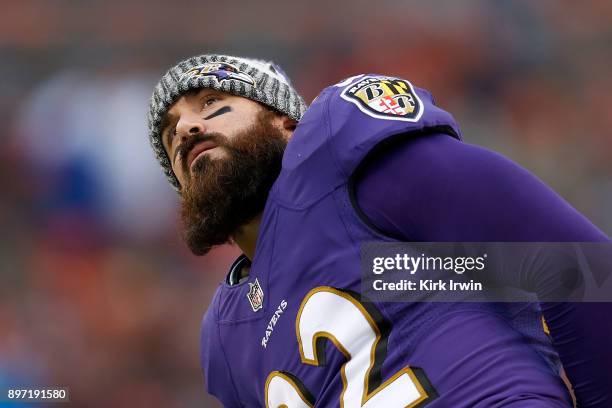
(189, 125)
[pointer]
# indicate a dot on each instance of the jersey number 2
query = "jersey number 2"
(331, 314)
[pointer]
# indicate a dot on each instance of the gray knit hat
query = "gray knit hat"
(258, 80)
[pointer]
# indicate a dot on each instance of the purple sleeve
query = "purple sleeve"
(436, 188)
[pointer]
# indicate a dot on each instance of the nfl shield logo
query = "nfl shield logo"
(255, 295)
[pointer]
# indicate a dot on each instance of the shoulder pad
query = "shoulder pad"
(345, 122)
(371, 108)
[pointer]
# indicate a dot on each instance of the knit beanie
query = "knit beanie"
(257, 80)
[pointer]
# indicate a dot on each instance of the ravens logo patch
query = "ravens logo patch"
(385, 98)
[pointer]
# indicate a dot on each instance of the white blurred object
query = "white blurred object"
(103, 119)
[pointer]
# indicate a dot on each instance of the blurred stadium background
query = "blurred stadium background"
(98, 293)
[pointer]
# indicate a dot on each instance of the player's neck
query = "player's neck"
(246, 237)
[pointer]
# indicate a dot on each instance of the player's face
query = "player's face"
(202, 114)
(226, 152)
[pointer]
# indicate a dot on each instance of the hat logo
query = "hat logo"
(255, 295)
(221, 71)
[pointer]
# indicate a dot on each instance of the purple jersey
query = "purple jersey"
(296, 332)
(516, 207)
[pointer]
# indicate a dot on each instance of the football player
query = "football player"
(300, 189)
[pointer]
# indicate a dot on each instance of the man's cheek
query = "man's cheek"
(178, 173)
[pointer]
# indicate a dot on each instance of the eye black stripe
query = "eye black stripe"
(225, 109)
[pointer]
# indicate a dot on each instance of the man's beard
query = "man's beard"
(224, 194)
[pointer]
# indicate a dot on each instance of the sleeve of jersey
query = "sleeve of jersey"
(217, 377)
(436, 188)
